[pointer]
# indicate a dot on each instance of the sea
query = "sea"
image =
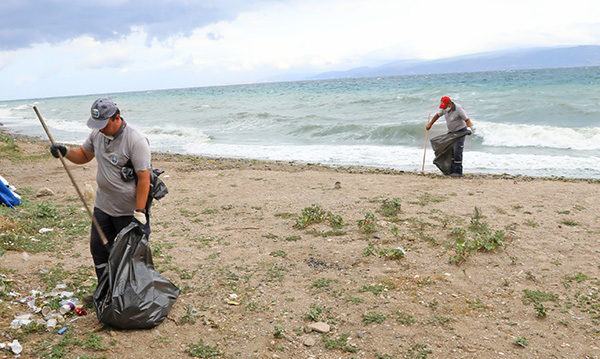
(542, 122)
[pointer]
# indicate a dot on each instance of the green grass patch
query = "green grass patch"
(41, 226)
(340, 343)
(201, 350)
(390, 207)
(316, 214)
(373, 317)
(427, 198)
(477, 237)
(368, 224)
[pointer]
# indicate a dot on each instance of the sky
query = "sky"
(52, 48)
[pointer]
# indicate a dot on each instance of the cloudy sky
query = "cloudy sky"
(61, 47)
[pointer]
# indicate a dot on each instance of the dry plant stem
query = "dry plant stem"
(62, 159)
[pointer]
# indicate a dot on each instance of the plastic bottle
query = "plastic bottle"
(67, 308)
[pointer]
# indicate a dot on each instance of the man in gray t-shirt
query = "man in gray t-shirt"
(113, 143)
(457, 121)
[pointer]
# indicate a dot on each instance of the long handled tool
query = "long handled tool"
(425, 150)
(62, 159)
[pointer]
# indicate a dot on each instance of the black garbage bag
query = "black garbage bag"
(158, 189)
(131, 294)
(442, 147)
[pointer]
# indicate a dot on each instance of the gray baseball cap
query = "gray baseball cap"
(102, 110)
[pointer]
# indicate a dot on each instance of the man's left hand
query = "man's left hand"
(469, 131)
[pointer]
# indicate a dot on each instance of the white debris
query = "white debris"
(15, 346)
(21, 320)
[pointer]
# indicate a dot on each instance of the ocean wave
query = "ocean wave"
(167, 135)
(537, 165)
(405, 158)
(521, 135)
(360, 134)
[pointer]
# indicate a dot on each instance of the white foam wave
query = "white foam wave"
(517, 135)
(522, 163)
(406, 158)
(389, 157)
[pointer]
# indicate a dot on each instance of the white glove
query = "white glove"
(469, 131)
(140, 217)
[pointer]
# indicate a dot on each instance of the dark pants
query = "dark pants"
(457, 154)
(111, 226)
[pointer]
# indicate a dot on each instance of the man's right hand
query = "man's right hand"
(64, 151)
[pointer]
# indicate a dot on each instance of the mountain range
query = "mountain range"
(531, 58)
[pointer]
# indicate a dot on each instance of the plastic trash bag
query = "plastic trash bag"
(158, 189)
(442, 147)
(131, 294)
(7, 196)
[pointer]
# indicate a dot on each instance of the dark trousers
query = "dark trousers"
(111, 226)
(457, 154)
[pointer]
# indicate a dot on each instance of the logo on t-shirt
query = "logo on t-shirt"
(114, 159)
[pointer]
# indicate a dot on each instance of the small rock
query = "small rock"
(44, 192)
(320, 327)
(360, 335)
(88, 192)
(310, 342)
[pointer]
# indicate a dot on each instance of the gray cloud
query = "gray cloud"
(27, 22)
(214, 36)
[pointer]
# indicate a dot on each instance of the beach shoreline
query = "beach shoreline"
(210, 162)
(256, 276)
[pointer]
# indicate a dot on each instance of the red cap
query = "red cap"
(444, 102)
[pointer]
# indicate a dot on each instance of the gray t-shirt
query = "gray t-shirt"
(115, 196)
(455, 120)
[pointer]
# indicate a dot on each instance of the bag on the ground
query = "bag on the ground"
(131, 294)
(7, 196)
(442, 147)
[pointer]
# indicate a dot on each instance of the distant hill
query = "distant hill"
(533, 58)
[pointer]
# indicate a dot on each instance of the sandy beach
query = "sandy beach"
(253, 281)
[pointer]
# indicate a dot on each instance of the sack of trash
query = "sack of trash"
(131, 294)
(442, 147)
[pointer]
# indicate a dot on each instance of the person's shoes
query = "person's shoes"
(87, 300)
(457, 175)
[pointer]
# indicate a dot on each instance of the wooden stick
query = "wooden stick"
(425, 150)
(62, 159)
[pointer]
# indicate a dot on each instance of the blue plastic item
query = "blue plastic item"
(7, 197)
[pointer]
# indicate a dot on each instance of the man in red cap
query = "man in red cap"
(457, 122)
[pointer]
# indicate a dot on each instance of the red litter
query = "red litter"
(80, 311)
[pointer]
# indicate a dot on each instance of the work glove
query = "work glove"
(140, 217)
(64, 151)
(469, 131)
